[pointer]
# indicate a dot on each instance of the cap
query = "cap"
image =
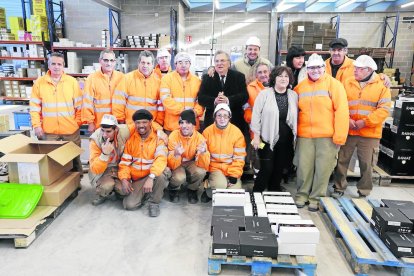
(142, 114)
(221, 106)
(338, 43)
(365, 61)
(253, 40)
(163, 53)
(109, 120)
(189, 116)
(315, 60)
(182, 56)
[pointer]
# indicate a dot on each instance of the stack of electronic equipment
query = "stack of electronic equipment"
(255, 224)
(393, 222)
(396, 154)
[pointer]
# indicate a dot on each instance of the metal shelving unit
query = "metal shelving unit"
(393, 39)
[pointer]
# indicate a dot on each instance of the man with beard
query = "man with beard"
(143, 168)
(163, 59)
(188, 158)
(106, 147)
(227, 149)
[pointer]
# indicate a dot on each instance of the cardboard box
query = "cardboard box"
(401, 245)
(397, 204)
(396, 162)
(260, 210)
(281, 211)
(258, 244)
(295, 231)
(4, 123)
(37, 162)
(404, 112)
(225, 240)
(389, 220)
(279, 200)
(257, 224)
(248, 210)
(277, 194)
(398, 138)
(229, 197)
(228, 211)
(301, 249)
(56, 193)
(227, 221)
(281, 206)
(258, 198)
(409, 213)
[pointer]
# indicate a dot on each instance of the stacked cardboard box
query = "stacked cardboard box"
(4, 123)
(147, 41)
(323, 34)
(396, 154)
(300, 33)
(39, 7)
(3, 23)
(16, 25)
(39, 28)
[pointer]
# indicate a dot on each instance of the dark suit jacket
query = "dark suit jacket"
(234, 89)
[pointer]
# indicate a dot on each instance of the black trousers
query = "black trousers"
(272, 164)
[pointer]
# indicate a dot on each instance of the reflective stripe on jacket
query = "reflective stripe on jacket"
(97, 96)
(253, 89)
(178, 95)
(56, 108)
(323, 109)
(371, 104)
(227, 149)
(344, 72)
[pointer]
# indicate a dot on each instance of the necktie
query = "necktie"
(222, 82)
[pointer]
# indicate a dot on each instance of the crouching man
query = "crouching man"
(106, 146)
(143, 168)
(188, 157)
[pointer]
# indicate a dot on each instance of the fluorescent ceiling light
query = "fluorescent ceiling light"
(217, 4)
(346, 4)
(407, 4)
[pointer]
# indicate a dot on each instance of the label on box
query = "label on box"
(394, 223)
(28, 173)
(301, 28)
(404, 249)
(220, 251)
(318, 46)
(398, 103)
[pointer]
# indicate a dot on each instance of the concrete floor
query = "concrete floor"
(106, 240)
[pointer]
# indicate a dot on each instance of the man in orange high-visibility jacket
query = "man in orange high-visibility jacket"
(55, 106)
(106, 146)
(322, 129)
(179, 91)
(188, 158)
(163, 59)
(99, 90)
(227, 149)
(369, 102)
(143, 168)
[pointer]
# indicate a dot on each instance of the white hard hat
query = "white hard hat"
(163, 53)
(222, 106)
(253, 40)
(365, 61)
(315, 60)
(109, 120)
(182, 56)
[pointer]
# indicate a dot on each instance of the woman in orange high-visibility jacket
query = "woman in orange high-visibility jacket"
(322, 128)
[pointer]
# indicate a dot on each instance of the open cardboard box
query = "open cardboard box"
(37, 162)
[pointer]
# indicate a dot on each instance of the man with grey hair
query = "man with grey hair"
(99, 90)
(163, 59)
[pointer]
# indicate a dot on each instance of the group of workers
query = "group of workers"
(145, 124)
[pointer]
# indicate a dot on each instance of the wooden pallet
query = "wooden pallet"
(261, 266)
(385, 178)
(348, 221)
(25, 240)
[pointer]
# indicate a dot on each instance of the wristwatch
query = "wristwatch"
(152, 176)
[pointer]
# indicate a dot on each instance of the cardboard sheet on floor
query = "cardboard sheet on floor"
(28, 225)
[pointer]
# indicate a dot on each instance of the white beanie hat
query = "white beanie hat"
(365, 61)
(315, 60)
(253, 40)
(182, 56)
(221, 106)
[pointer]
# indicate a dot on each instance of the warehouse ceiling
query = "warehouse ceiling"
(287, 6)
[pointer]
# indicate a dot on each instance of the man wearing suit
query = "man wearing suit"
(227, 86)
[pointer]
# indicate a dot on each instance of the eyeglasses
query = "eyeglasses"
(223, 116)
(108, 60)
(339, 50)
(360, 68)
(315, 67)
(185, 62)
(220, 60)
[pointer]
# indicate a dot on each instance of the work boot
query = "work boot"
(154, 210)
(204, 197)
(192, 196)
(99, 200)
(174, 196)
(337, 194)
(313, 207)
(361, 195)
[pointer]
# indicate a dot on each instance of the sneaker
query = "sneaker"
(154, 210)
(337, 194)
(192, 197)
(313, 207)
(99, 200)
(204, 197)
(300, 204)
(361, 195)
(174, 196)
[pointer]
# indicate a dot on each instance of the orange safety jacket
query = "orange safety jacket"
(158, 72)
(371, 104)
(323, 109)
(56, 108)
(190, 145)
(227, 149)
(142, 157)
(253, 89)
(178, 95)
(97, 96)
(137, 92)
(344, 72)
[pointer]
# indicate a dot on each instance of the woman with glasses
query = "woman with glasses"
(274, 124)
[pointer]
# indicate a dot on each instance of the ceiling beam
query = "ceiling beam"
(309, 3)
(373, 2)
(111, 4)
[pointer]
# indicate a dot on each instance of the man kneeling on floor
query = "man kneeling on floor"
(188, 157)
(143, 168)
(106, 147)
(227, 148)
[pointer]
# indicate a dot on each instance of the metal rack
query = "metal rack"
(393, 40)
(52, 22)
(117, 21)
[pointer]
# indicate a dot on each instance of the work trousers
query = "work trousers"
(136, 198)
(107, 182)
(189, 175)
(367, 151)
(315, 159)
(75, 138)
(217, 180)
